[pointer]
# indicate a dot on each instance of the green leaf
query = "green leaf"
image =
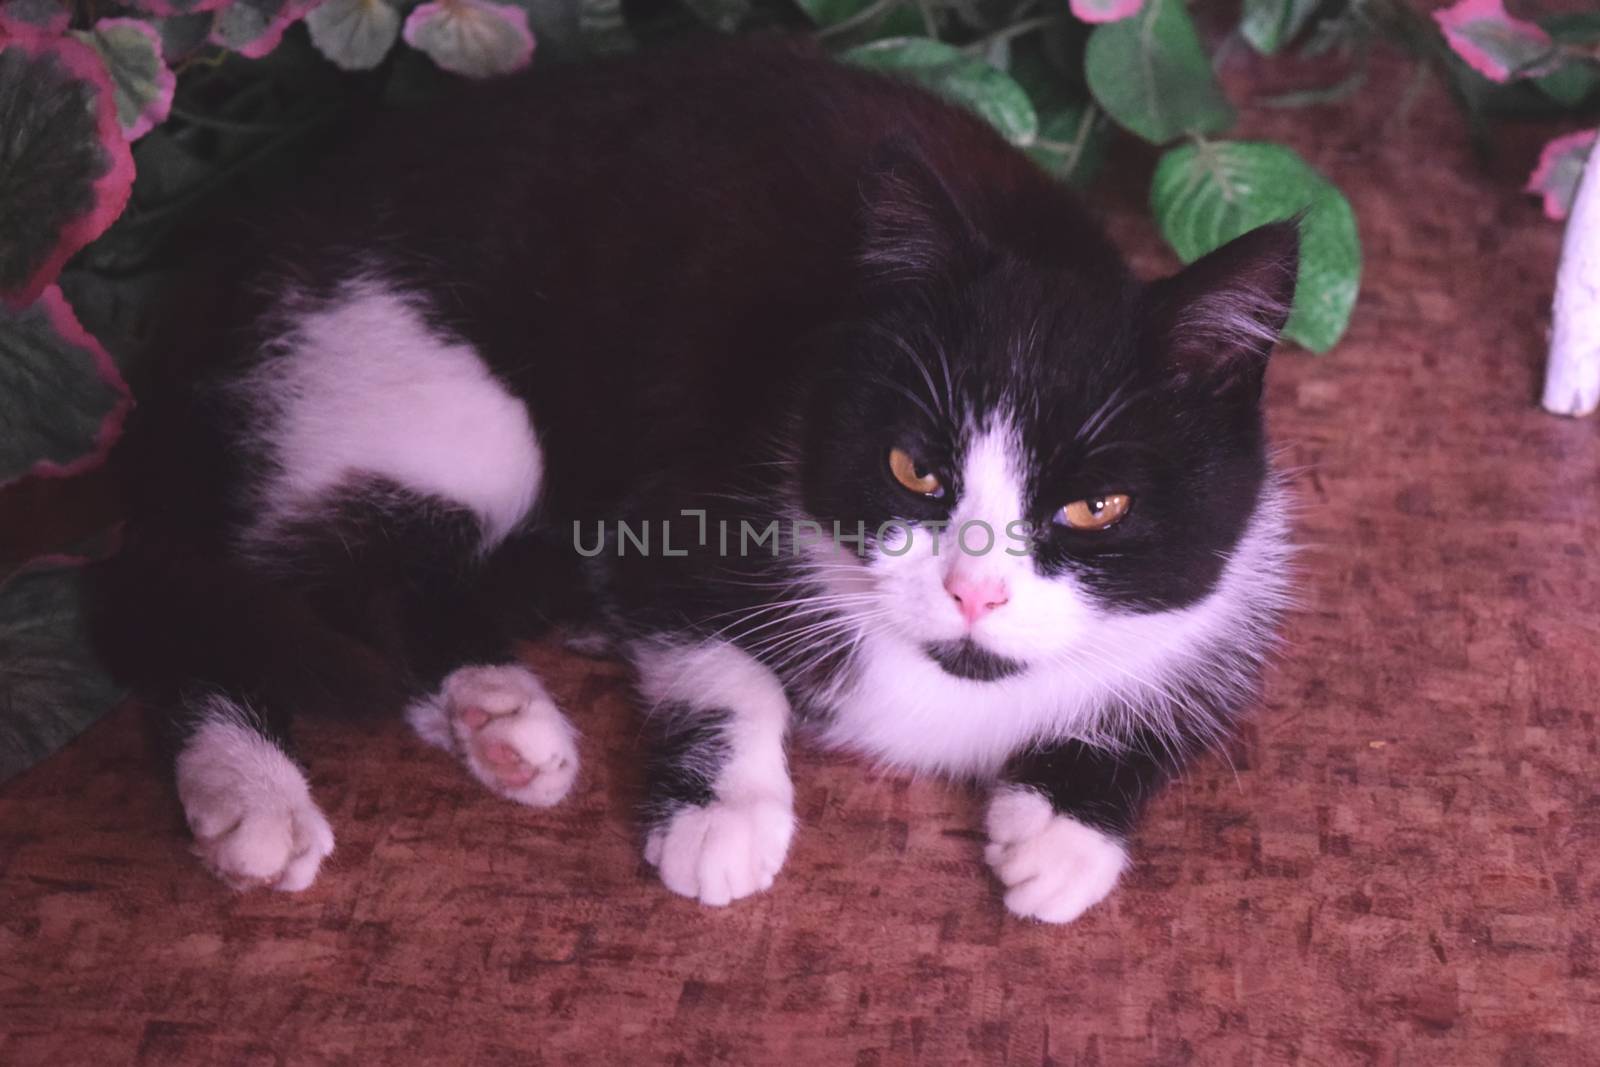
(131, 51)
(1204, 195)
(1270, 24)
(1570, 84)
(354, 34)
(953, 74)
(51, 687)
(1072, 141)
(894, 20)
(1574, 28)
(1151, 75)
(61, 399)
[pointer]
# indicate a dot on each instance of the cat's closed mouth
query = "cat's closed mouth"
(966, 659)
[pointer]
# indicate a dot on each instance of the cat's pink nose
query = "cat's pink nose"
(975, 596)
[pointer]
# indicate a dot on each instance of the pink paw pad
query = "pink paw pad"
(510, 734)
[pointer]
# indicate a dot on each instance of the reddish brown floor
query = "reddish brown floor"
(1397, 864)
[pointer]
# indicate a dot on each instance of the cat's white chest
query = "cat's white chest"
(903, 710)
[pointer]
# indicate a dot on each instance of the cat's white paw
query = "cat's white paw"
(250, 809)
(1054, 868)
(506, 729)
(723, 851)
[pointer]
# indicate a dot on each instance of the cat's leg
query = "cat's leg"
(1059, 822)
(365, 385)
(406, 572)
(720, 806)
(246, 801)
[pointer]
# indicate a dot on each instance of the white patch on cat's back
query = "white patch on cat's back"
(363, 384)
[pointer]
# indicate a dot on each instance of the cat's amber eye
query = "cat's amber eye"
(1095, 512)
(910, 474)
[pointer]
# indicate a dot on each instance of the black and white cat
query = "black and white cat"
(924, 472)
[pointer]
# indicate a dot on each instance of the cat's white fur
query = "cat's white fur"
(363, 384)
(734, 846)
(517, 717)
(1054, 868)
(248, 804)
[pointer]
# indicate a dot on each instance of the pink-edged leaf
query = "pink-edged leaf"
(1493, 43)
(1105, 10)
(62, 401)
(354, 34)
(1560, 166)
(65, 168)
(472, 37)
(144, 84)
(167, 8)
(254, 27)
(47, 16)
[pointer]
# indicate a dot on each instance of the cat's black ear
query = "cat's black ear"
(1218, 318)
(915, 224)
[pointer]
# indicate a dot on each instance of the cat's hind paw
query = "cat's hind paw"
(250, 809)
(1053, 867)
(506, 729)
(723, 851)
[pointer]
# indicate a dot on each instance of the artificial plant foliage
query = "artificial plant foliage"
(253, 28)
(183, 36)
(896, 20)
(51, 688)
(1105, 10)
(1560, 166)
(1575, 79)
(957, 76)
(354, 34)
(62, 400)
(48, 16)
(143, 83)
(1493, 43)
(1071, 142)
(1152, 76)
(475, 38)
(1206, 194)
(1269, 25)
(1073, 131)
(65, 168)
(178, 7)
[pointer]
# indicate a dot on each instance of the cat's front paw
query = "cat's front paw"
(506, 729)
(251, 812)
(723, 851)
(1054, 867)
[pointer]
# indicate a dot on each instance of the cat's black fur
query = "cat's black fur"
(718, 278)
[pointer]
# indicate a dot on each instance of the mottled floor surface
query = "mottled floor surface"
(1395, 865)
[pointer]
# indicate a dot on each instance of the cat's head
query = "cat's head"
(1037, 443)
